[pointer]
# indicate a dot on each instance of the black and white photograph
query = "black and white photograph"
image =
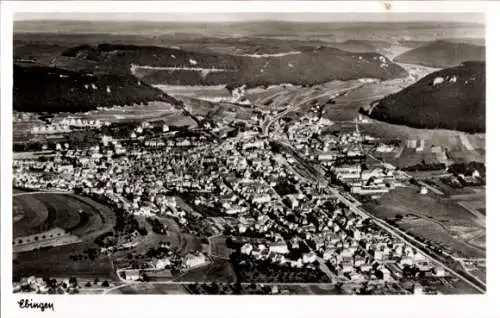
(246, 153)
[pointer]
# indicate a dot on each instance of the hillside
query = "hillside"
(46, 89)
(361, 46)
(442, 54)
(169, 66)
(452, 98)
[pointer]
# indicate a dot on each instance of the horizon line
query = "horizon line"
(242, 17)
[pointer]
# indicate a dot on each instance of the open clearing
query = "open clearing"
(453, 141)
(438, 219)
(347, 106)
(407, 200)
(181, 243)
(218, 271)
(219, 247)
(475, 208)
(55, 262)
(442, 236)
(448, 190)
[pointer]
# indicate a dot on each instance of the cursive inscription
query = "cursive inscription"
(30, 304)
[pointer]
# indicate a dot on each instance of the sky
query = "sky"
(246, 16)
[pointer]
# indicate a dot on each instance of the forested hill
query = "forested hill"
(442, 54)
(452, 98)
(172, 66)
(46, 89)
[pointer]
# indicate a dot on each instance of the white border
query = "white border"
(229, 306)
(246, 6)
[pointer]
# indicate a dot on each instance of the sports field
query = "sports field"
(80, 217)
(38, 212)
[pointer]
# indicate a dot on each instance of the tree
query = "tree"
(73, 281)
(145, 278)
(78, 189)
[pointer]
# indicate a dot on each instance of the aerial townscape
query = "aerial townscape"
(253, 157)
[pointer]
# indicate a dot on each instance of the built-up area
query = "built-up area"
(272, 196)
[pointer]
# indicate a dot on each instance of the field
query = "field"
(136, 113)
(218, 271)
(219, 247)
(184, 243)
(475, 207)
(148, 289)
(346, 107)
(436, 218)
(217, 112)
(55, 262)
(29, 215)
(181, 243)
(281, 96)
(453, 286)
(160, 111)
(209, 93)
(37, 212)
(444, 188)
(460, 147)
(441, 236)
(472, 199)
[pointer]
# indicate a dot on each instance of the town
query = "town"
(283, 199)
